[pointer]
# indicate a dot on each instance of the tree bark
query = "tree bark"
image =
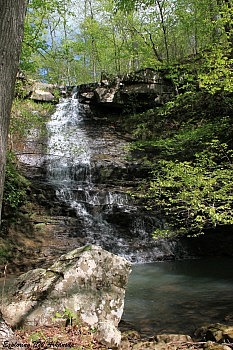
(12, 13)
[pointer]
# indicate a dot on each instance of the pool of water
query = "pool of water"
(179, 296)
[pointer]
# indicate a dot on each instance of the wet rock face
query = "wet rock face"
(88, 283)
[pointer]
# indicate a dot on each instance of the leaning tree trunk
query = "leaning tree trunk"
(12, 13)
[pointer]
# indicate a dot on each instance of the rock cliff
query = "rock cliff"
(138, 91)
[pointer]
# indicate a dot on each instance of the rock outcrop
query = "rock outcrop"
(42, 96)
(37, 91)
(43, 92)
(138, 91)
(87, 284)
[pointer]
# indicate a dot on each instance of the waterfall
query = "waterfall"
(105, 215)
(68, 150)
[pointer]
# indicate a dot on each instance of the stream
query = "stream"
(179, 296)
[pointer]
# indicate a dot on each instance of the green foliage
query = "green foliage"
(183, 125)
(69, 316)
(66, 41)
(188, 139)
(27, 115)
(16, 185)
(194, 196)
(216, 73)
(37, 336)
(188, 145)
(36, 28)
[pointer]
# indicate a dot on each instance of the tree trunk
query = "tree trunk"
(161, 13)
(12, 13)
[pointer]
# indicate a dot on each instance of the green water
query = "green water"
(179, 296)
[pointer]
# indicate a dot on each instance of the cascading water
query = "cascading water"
(105, 215)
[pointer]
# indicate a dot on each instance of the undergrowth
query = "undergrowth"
(188, 145)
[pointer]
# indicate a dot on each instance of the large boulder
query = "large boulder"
(88, 283)
(43, 96)
(43, 92)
